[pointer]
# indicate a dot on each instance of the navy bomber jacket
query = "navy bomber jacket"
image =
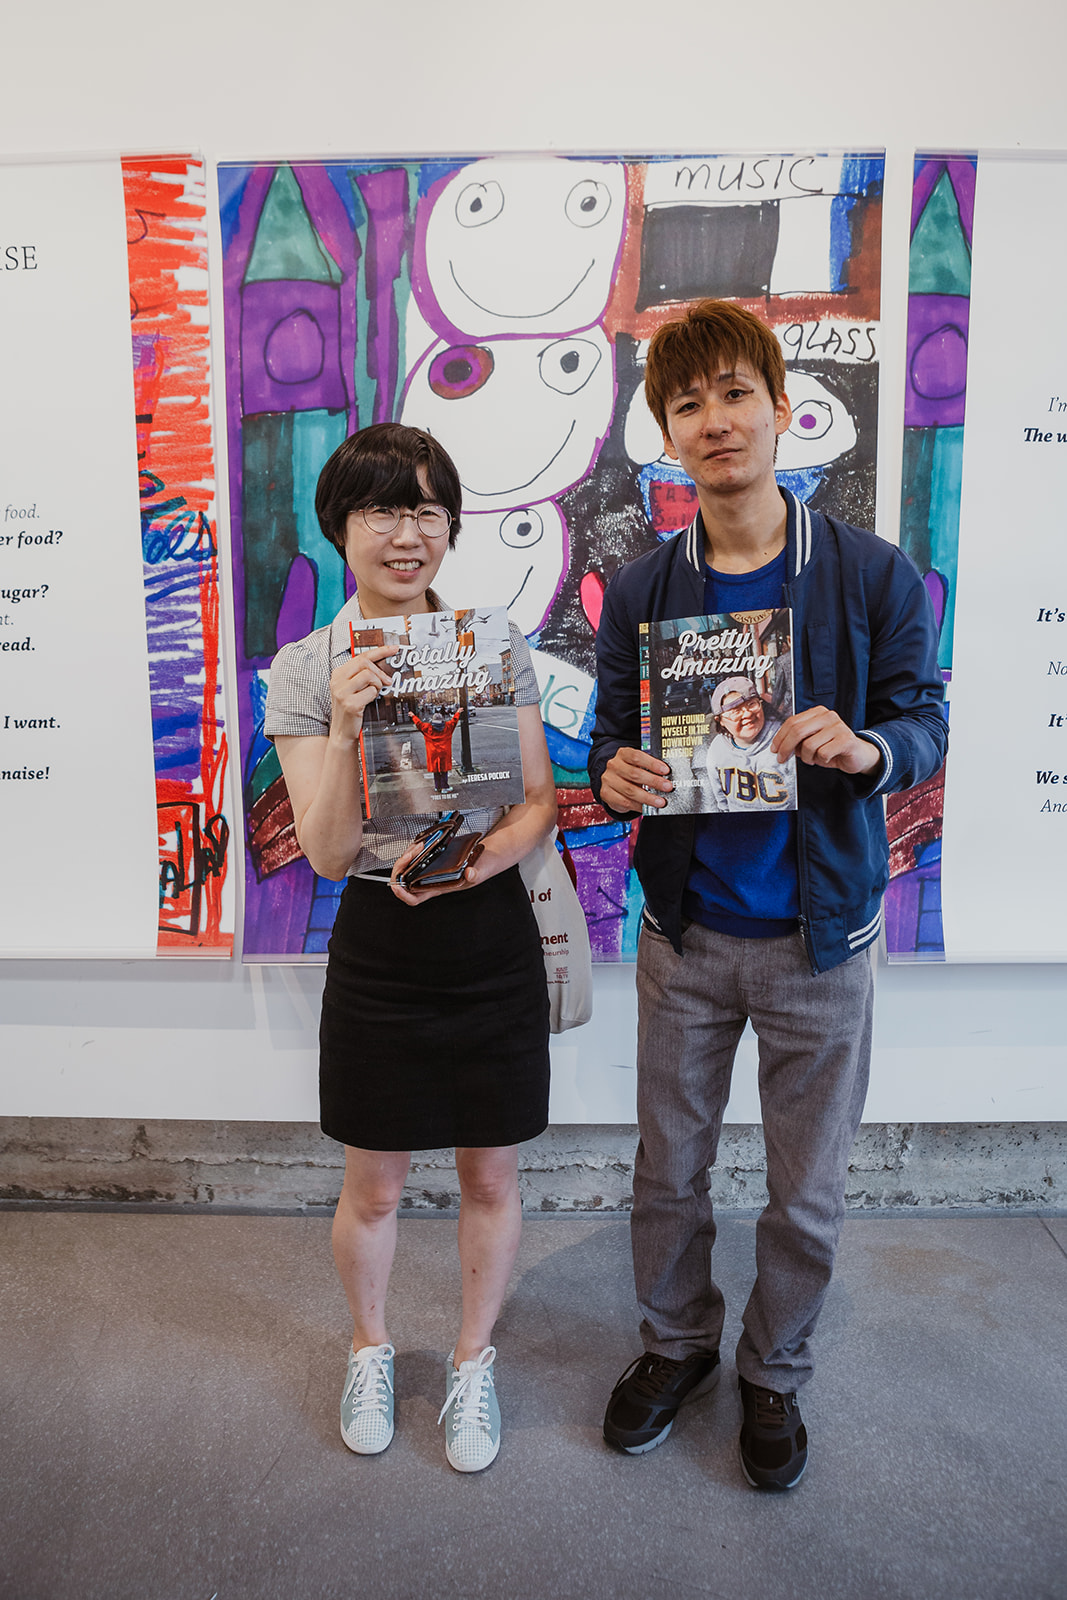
(864, 644)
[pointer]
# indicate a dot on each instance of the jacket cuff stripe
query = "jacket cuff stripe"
(868, 931)
(887, 756)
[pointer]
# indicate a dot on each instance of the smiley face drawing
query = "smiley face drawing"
(514, 558)
(519, 246)
(523, 419)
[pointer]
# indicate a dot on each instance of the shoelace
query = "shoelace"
(772, 1410)
(650, 1369)
(470, 1391)
(369, 1380)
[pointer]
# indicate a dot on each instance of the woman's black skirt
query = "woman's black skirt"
(434, 1024)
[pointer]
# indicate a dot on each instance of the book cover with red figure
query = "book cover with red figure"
(444, 735)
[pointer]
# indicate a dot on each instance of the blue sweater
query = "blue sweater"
(864, 644)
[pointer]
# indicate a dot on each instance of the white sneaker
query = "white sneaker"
(471, 1414)
(367, 1400)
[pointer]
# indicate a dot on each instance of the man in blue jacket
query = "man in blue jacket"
(765, 918)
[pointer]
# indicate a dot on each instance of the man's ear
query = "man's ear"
(668, 448)
(783, 414)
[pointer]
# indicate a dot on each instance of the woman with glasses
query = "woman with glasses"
(435, 1012)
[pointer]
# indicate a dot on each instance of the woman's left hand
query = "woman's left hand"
(415, 897)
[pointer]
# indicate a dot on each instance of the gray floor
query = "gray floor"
(169, 1396)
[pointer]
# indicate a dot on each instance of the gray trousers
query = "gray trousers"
(814, 1036)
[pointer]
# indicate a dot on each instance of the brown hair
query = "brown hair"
(379, 465)
(712, 333)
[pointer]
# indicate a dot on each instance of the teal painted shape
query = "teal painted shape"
(287, 246)
(946, 484)
(930, 513)
(267, 771)
(402, 296)
(940, 262)
(270, 535)
(915, 496)
(631, 928)
(316, 435)
(364, 387)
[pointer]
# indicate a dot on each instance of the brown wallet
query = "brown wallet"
(446, 864)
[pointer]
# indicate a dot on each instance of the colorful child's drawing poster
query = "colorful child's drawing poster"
(935, 398)
(506, 305)
(995, 490)
(979, 852)
(112, 754)
(167, 254)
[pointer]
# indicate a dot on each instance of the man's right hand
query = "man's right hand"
(633, 779)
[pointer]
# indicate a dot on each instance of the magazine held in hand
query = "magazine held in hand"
(444, 735)
(714, 692)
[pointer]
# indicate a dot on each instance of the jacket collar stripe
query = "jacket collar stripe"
(802, 554)
(800, 518)
(695, 545)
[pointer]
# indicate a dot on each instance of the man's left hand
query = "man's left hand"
(820, 738)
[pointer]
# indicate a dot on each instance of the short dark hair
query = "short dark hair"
(713, 333)
(379, 465)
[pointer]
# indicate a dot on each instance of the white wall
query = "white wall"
(214, 1040)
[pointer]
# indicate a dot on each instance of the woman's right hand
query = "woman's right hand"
(353, 685)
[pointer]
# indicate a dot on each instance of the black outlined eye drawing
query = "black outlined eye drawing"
(568, 364)
(588, 203)
(458, 373)
(521, 529)
(478, 204)
(812, 419)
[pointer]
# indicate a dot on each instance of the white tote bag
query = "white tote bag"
(564, 935)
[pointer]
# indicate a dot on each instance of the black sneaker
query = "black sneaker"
(646, 1398)
(774, 1441)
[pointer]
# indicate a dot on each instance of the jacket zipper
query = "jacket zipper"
(802, 886)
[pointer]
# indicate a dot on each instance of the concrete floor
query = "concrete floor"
(169, 1389)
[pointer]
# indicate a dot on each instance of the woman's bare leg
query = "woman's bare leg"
(364, 1236)
(490, 1222)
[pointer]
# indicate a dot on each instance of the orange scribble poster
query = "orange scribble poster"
(167, 251)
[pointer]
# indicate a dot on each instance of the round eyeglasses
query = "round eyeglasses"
(433, 521)
(747, 704)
